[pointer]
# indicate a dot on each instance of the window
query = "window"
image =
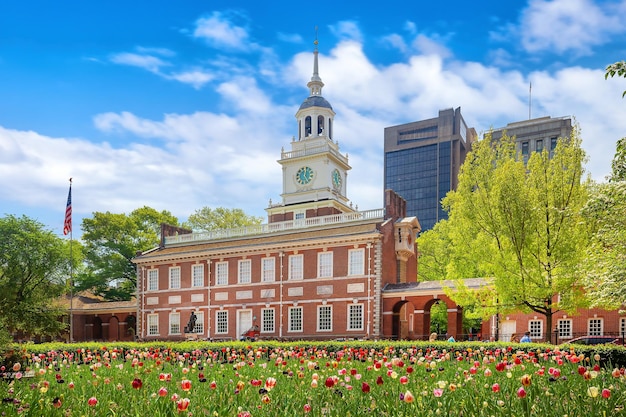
(307, 126)
(221, 318)
(199, 327)
(295, 319)
(564, 327)
(245, 274)
(324, 264)
(197, 274)
(622, 326)
(324, 318)
(536, 329)
(525, 151)
(153, 324)
(356, 262)
(295, 267)
(267, 320)
(299, 215)
(355, 317)
(174, 323)
(539, 145)
(596, 327)
(221, 273)
(153, 280)
(175, 277)
(268, 267)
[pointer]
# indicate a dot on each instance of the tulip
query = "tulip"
(163, 392)
(92, 401)
(606, 393)
(593, 392)
(185, 385)
(495, 388)
(182, 404)
(521, 392)
(365, 387)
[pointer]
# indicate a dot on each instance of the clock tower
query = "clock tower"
(314, 171)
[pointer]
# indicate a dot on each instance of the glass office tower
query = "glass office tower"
(422, 161)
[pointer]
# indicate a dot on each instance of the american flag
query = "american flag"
(67, 225)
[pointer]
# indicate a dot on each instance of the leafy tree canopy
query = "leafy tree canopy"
(111, 241)
(516, 223)
(34, 271)
(619, 69)
(206, 219)
(606, 254)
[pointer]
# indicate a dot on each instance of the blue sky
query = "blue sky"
(181, 105)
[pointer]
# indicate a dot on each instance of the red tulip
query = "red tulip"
(182, 404)
(92, 401)
(365, 387)
(521, 392)
(185, 385)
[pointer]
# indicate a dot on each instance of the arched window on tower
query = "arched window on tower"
(320, 125)
(299, 129)
(330, 128)
(307, 126)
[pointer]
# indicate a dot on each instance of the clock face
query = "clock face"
(304, 175)
(336, 179)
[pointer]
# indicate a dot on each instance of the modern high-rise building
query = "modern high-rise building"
(535, 135)
(422, 161)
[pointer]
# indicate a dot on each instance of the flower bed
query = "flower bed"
(347, 379)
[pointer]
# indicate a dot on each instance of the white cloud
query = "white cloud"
(347, 30)
(147, 62)
(196, 78)
(430, 46)
(219, 31)
(568, 25)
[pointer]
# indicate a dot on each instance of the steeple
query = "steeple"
(316, 84)
(314, 171)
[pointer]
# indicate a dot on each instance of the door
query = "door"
(244, 322)
(507, 329)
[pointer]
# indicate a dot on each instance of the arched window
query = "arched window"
(299, 129)
(330, 128)
(307, 126)
(320, 125)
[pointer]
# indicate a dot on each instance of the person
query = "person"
(192, 323)
(433, 337)
(451, 339)
(514, 338)
(526, 338)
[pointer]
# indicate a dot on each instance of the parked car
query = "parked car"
(594, 340)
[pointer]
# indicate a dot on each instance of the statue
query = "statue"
(192, 323)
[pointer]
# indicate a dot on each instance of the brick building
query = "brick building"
(318, 269)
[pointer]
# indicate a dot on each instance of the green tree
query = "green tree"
(606, 254)
(110, 243)
(520, 226)
(34, 271)
(619, 69)
(206, 219)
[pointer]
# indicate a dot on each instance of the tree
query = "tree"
(606, 214)
(207, 219)
(520, 226)
(34, 271)
(619, 69)
(111, 241)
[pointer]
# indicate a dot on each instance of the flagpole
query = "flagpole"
(67, 228)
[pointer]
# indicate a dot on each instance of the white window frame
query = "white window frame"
(221, 322)
(325, 318)
(595, 326)
(296, 267)
(535, 327)
(174, 323)
(565, 331)
(244, 271)
(296, 320)
(356, 262)
(153, 280)
(152, 324)
(221, 273)
(268, 269)
(325, 265)
(356, 317)
(268, 320)
(174, 277)
(199, 326)
(197, 275)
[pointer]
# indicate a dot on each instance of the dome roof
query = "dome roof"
(315, 101)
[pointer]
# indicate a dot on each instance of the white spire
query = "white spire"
(316, 84)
